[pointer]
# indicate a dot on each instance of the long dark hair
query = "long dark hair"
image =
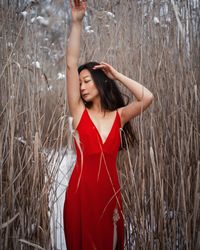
(111, 98)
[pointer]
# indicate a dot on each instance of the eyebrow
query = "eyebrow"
(86, 77)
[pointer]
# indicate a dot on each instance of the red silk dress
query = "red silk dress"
(93, 207)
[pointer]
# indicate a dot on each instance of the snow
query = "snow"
(20, 139)
(49, 88)
(24, 13)
(88, 29)
(37, 64)
(33, 20)
(110, 14)
(42, 20)
(60, 76)
(62, 163)
(10, 45)
(156, 20)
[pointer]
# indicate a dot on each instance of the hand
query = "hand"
(108, 70)
(78, 8)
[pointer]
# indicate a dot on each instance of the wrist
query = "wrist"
(118, 76)
(77, 22)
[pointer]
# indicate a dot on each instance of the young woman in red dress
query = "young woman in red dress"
(93, 214)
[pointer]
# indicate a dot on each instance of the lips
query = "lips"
(84, 95)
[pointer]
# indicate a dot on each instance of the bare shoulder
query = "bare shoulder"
(126, 113)
(120, 112)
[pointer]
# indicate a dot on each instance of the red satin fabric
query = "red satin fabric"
(93, 193)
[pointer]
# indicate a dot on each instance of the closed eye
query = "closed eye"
(85, 82)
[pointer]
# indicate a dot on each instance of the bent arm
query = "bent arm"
(143, 98)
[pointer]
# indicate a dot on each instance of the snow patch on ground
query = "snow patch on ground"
(61, 166)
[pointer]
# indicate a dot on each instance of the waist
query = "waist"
(97, 158)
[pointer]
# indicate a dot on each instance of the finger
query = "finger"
(98, 67)
(104, 63)
(79, 2)
(76, 2)
(84, 4)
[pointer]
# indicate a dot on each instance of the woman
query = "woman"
(93, 216)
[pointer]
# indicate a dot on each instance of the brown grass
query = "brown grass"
(32, 121)
(160, 177)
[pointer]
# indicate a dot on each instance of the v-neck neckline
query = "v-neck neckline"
(103, 142)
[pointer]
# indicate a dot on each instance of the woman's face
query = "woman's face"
(88, 88)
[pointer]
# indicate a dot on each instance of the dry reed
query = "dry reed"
(160, 176)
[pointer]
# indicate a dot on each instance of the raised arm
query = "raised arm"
(72, 57)
(143, 96)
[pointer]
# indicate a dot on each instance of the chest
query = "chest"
(103, 127)
(98, 135)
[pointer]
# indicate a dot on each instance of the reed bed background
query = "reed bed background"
(156, 43)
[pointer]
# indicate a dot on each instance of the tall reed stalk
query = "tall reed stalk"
(32, 121)
(160, 176)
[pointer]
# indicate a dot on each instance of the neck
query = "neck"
(96, 106)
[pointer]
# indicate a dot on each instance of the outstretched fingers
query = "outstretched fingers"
(78, 7)
(77, 3)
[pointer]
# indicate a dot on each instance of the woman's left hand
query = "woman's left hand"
(108, 70)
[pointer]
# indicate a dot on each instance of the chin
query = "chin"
(87, 99)
(88, 104)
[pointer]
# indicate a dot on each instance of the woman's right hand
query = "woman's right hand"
(78, 8)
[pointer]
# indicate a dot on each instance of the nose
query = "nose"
(82, 86)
